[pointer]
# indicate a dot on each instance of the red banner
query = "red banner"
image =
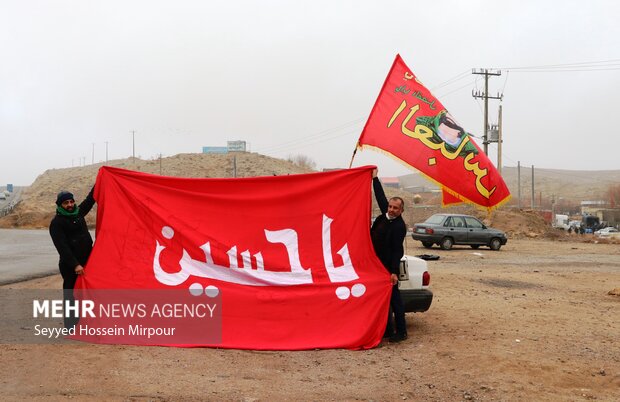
(409, 123)
(288, 258)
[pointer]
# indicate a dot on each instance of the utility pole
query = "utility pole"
(533, 195)
(92, 161)
(519, 184)
(540, 204)
(499, 142)
(106, 152)
(485, 95)
(133, 145)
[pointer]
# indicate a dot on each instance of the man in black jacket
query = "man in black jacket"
(388, 233)
(72, 240)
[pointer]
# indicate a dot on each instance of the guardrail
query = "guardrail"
(9, 208)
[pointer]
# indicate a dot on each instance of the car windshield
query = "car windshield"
(435, 219)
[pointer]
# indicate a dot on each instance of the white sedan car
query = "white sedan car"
(607, 232)
(414, 284)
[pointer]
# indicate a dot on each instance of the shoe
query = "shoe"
(398, 338)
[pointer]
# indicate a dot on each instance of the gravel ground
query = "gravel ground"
(534, 321)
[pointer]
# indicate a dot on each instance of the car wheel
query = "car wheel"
(495, 244)
(446, 243)
(475, 246)
(427, 244)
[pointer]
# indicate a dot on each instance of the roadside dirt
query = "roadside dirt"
(534, 321)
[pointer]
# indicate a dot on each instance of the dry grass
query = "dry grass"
(37, 207)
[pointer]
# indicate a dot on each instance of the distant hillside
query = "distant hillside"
(573, 186)
(577, 185)
(37, 206)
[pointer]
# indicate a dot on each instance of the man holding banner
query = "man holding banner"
(72, 240)
(388, 233)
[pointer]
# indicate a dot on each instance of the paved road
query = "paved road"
(11, 200)
(15, 196)
(26, 254)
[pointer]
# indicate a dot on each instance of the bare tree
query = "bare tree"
(614, 195)
(302, 161)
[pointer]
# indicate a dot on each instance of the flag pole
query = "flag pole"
(353, 156)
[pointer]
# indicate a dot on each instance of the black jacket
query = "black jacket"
(71, 237)
(387, 235)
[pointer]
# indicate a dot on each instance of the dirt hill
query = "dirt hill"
(37, 206)
(567, 187)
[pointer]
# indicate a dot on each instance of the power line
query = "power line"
(452, 80)
(320, 134)
(312, 141)
(319, 141)
(505, 81)
(562, 172)
(334, 132)
(564, 70)
(594, 63)
(325, 134)
(602, 65)
(459, 88)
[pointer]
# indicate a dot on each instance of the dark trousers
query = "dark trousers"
(68, 283)
(396, 315)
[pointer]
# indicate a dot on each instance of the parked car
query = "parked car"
(447, 230)
(606, 232)
(413, 283)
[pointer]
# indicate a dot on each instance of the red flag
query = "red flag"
(289, 258)
(409, 123)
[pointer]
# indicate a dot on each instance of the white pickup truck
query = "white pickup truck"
(413, 283)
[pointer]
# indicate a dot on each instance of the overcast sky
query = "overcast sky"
(298, 77)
